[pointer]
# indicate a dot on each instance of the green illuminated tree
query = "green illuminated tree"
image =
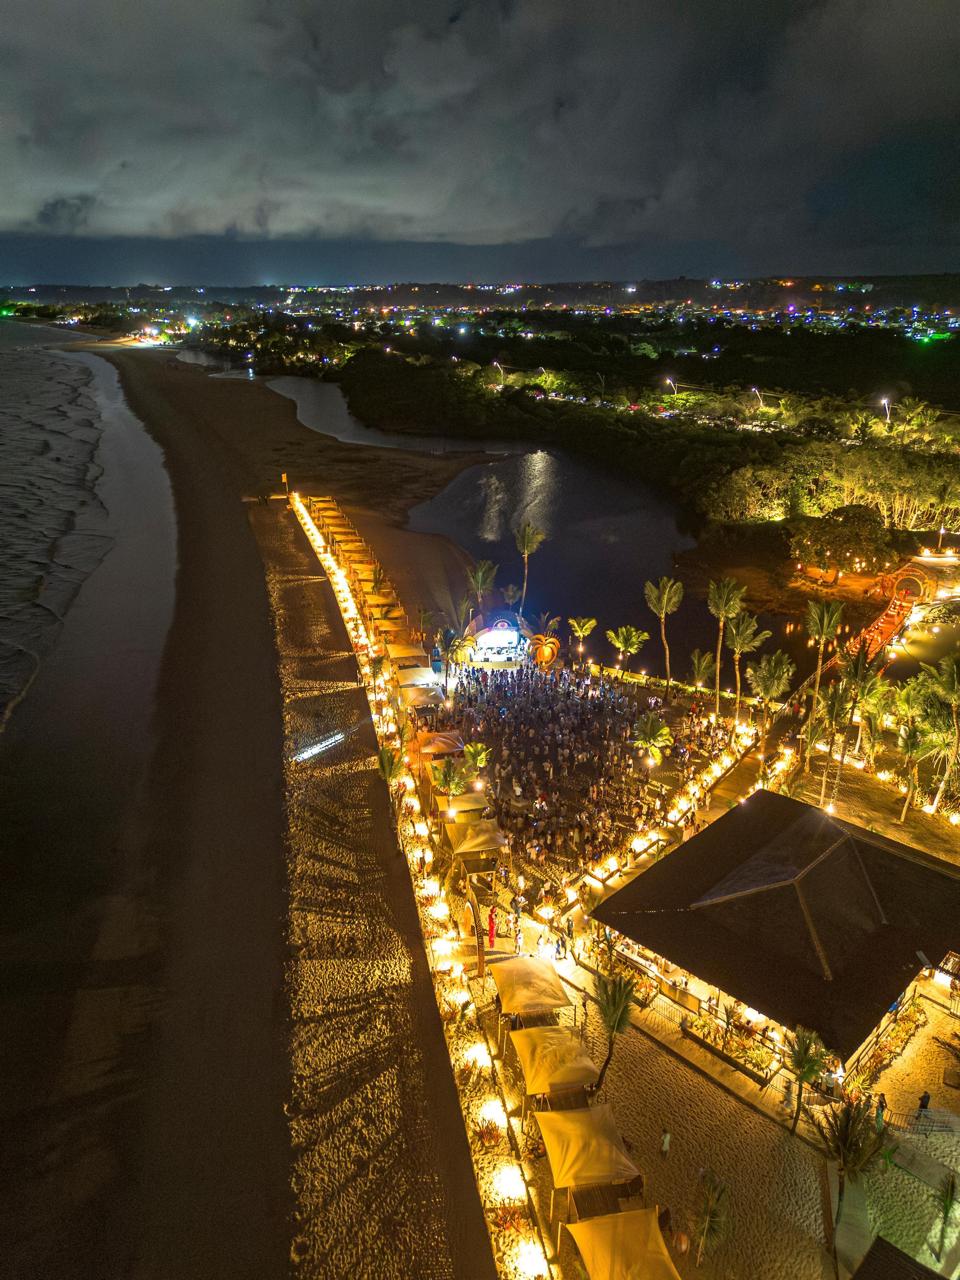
(806, 1056)
(724, 600)
(664, 598)
(823, 623)
(528, 539)
(743, 637)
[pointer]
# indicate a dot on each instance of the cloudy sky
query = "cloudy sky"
(350, 140)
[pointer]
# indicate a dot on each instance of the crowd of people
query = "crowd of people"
(568, 786)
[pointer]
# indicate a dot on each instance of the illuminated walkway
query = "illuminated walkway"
(382, 1169)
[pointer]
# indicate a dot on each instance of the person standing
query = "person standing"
(665, 1137)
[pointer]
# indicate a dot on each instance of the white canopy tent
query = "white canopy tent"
(418, 697)
(466, 807)
(527, 985)
(483, 836)
(584, 1148)
(624, 1246)
(446, 743)
(402, 653)
(408, 676)
(553, 1059)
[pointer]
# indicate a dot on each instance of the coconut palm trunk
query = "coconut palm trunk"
(719, 655)
(666, 652)
(818, 675)
(952, 761)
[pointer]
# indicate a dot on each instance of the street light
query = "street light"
(940, 539)
(759, 397)
(671, 383)
(886, 404)
(498, 365)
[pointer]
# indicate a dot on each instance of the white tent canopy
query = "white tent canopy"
(624, 1246)
(552, 1059)
(417, 696)
(584, 1148)
(469, 804)
(528, 985)
(446, 743)
(417, 675)
(399, 652)
(474, 837)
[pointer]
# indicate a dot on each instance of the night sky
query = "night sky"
(253, 141)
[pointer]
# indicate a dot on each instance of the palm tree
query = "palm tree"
(664, 598)
(915, 743)
(711, 1219)
(547, 625)
(805, 1055)
(448, 777)
(391, 768)
(946, 1199)
(858, 669)
(652, 737)
(476, 756)
(481, 578)
(833, 708)
(454, 646)
(378, 581)
(528, 539)
(511, 594)
(614, 994)
(944, 682)
(743, 637)
(425, 620)
(769, 679)
(627, 640)
(850, 1136)
(702, 668)
(823, 623)
(581, 628)
(724, 600)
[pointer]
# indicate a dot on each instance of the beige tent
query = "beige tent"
(624, 1246)
(584, 1148)
(526, 985)
(438, 744)
(474, 837)
(466, 808)
(417, 675)
(417, 697)
(402, 652)
(553, 1059)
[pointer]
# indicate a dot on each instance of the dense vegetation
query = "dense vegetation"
(752, 472)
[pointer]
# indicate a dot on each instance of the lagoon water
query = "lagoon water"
(605, 537)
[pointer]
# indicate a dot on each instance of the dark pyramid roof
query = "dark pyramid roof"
(807, 919)
(884, 1261)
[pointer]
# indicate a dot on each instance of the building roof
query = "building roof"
(884, 1261)
(809, 920)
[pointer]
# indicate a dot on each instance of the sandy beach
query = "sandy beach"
(216, 1153)
(154, 1142)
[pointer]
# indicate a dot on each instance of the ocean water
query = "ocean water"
(53, 525)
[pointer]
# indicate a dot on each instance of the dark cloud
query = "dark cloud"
(759, 133)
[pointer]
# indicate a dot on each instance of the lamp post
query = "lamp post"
(671, 383)
(498, 365)
(759, 397)
(940, 539)
(886, 404)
